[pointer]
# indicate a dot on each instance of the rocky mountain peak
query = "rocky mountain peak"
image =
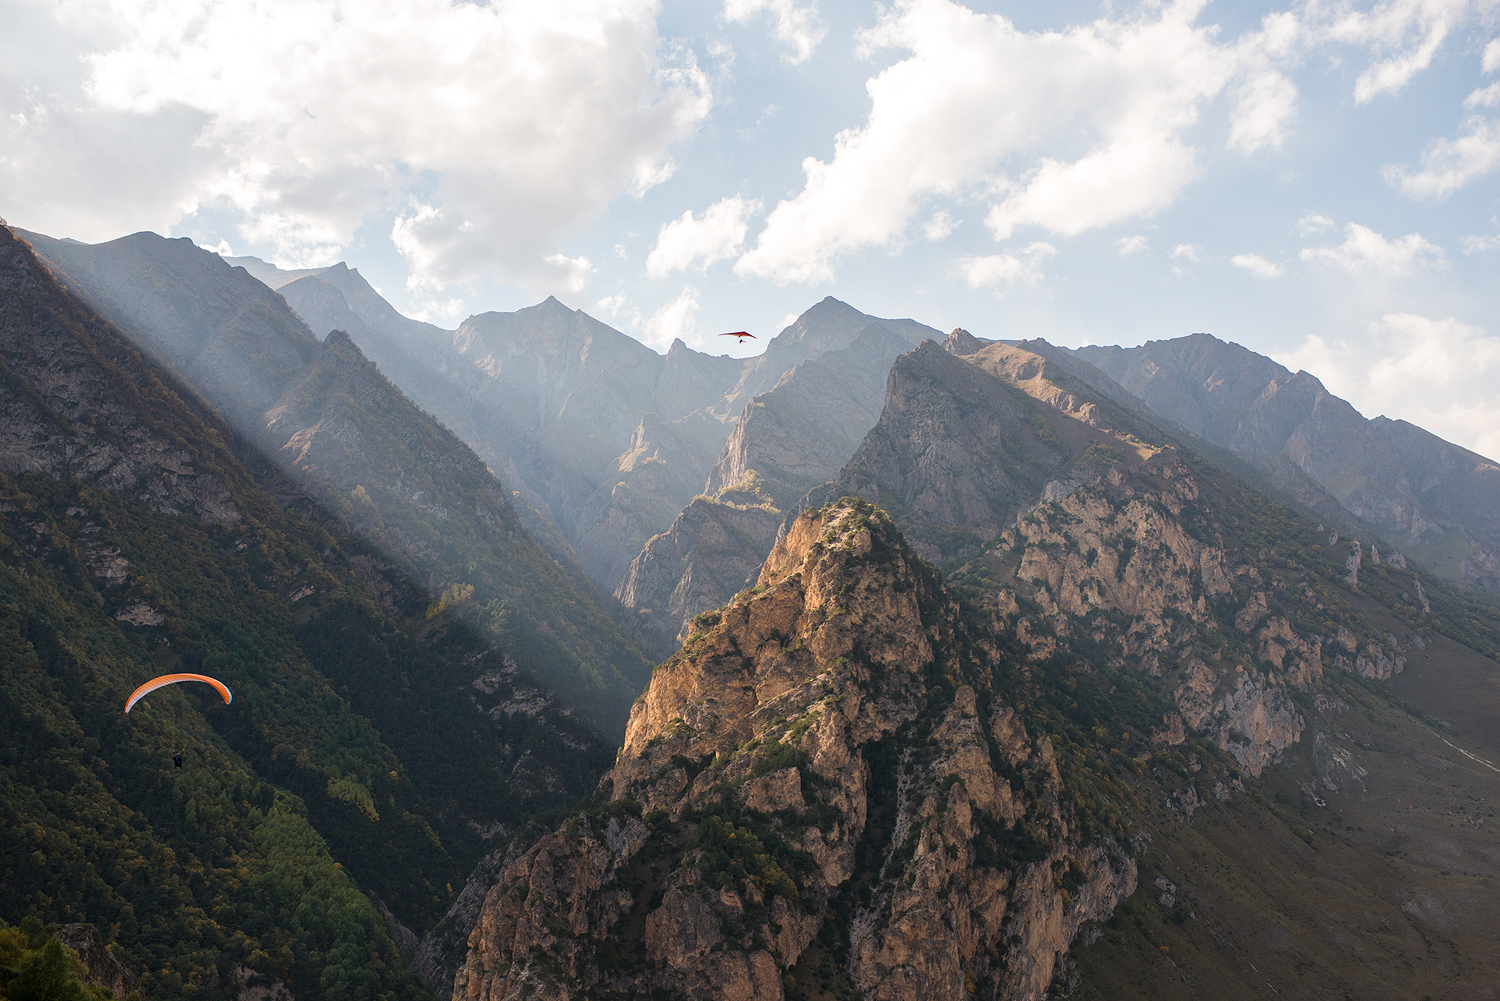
(961, 342)
(841, 578)
(771, 791)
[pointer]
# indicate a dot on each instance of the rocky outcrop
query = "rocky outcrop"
(827, 748)
(645, 489)
(960, 342)
(1117, 564)
(101, 969)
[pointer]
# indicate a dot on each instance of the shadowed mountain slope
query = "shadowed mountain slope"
(315, 819)
(965, 444)
(802, 432)
(337, 430)
(829, 325)
(605, 438)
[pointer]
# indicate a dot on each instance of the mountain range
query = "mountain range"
(984, 668)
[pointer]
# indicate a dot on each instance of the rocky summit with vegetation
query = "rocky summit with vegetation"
(834, 764)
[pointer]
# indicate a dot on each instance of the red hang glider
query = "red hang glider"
(741, 334)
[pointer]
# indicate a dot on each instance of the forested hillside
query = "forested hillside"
(360, 768)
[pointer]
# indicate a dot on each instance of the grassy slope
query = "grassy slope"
(354, 741)
(1387, 891)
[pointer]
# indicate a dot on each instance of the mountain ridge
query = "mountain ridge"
(1374, 468)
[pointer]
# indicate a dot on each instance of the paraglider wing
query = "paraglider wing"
(741, 334)
(172, 679)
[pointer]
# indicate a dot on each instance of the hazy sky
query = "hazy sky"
(1319, 181)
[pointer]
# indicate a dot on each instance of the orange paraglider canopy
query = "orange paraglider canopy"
(172, 679)
(741, 334)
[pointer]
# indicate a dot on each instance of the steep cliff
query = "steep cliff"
(801, 433)
(788, 440)
(644, 490)
(963, 444)
(713, 549)
(830, 754)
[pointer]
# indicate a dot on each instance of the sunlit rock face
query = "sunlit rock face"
(822, 749)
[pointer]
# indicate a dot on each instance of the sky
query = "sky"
(1319, 181)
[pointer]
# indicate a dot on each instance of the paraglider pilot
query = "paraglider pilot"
(177, 759)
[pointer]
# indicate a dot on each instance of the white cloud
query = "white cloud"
(221, 248)
(1135, 176)
(1449, 164)
(1490, 62)
(493, 130)
(612, 304)
(1073, 129)
(1442, 375)
(687, 242)
(1267, 104)
(440, 311)
(1310, 224)
(1004, 271)
(1366, 251)
(1404, 35)
(677, 318)
(977, 106)
(940, 226)
(1133, 244)
(1183, 254)
(1479, 244)
(1187, 252)
(1257, 265)
(1485, 97)
(797, 24)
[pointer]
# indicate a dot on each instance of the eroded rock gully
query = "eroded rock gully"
(825, 750)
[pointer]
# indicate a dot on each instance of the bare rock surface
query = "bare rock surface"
(101, 968)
